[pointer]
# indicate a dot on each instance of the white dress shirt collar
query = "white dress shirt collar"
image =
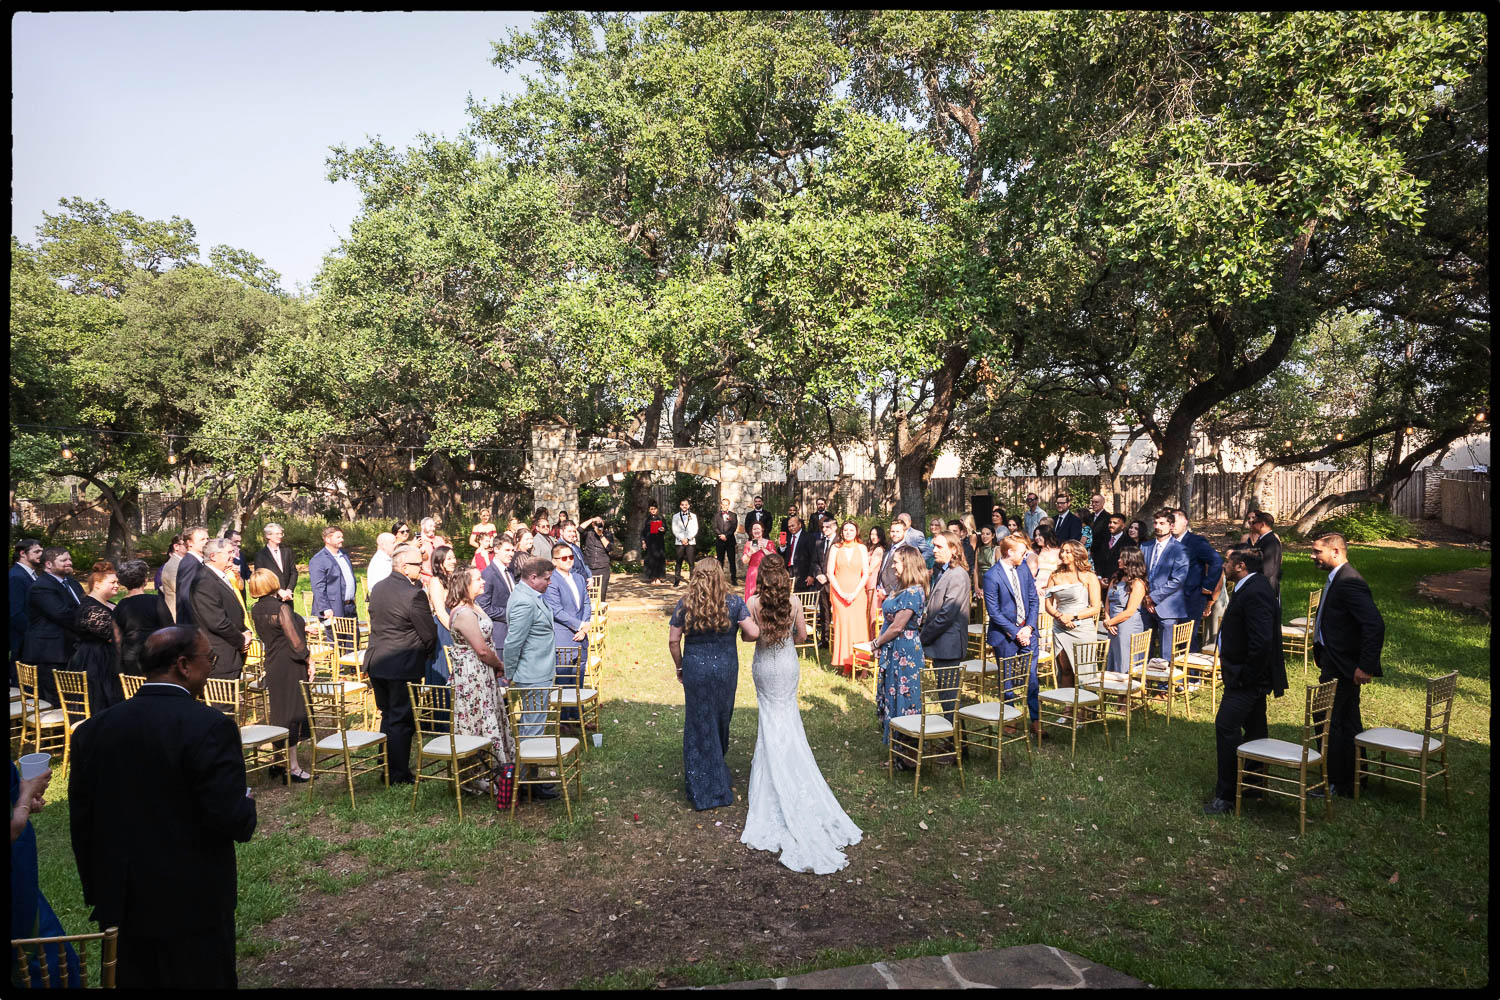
(29, 571)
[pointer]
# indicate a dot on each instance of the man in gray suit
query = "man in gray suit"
(945, 621)
(530, 649)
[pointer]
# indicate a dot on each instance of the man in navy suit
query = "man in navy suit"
(1204, 568)
(499, 580)
(23, 573)
(1166, 579)
(187, 572)
(567, 597)
(1066, 525)
(51, 616)
(332, 577)
(1013, 604)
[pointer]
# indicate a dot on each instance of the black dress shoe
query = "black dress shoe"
(1217, 806)
(543, 792)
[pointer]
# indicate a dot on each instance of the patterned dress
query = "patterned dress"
(479, 707)
(710, 674)
(899, 688)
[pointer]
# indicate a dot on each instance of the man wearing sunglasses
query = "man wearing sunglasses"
(567, 598)
(403, 634)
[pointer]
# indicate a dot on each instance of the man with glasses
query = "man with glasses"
(403, 634)
(567, 598)
(530, 650)
(1067, 526)
(1033, 515)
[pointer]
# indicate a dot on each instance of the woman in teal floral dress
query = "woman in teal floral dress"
(898, 689)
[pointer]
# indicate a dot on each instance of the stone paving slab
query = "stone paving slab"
(1028, 966)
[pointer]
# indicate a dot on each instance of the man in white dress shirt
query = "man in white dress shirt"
(380, 562)
(685, 535)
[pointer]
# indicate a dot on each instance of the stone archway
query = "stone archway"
(738, 461)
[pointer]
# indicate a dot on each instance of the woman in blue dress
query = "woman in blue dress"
(898, 689)
(702, 644)
(1127, 616)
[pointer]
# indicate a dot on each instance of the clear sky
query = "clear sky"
(225, 118)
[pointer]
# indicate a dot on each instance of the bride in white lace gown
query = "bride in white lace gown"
(792, 809)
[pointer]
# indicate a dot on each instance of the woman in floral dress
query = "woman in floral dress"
(898, 690)
(478, 681)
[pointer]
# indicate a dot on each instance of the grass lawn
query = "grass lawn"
(1109, 856)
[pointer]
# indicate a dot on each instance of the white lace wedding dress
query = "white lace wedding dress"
(792, 809)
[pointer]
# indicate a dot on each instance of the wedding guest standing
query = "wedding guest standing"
(31, 916)
(1067, 526)
(701, 641)
(187, 572)
(98, 651)
(444, 563)
(1073, 601)
(985, 554)
(1205, 567)
(499, 580)
(757, 546)
(51, 619)
(1137, 533)
(898, 687)
(541, 537)
(1098, 525)
(279, 560)
(945, 623)
(380, 562)
(724, 526)
(332, 577)
(218, 610)
(849, 576)
(138, 614)
(1127, 606)
(403, 633)
(1033, 515)
(567, 597)
(1348, 635)
(1166, 574)
(1107, 547)
(1013, 605)
(1046, 553)
(685, 537)
(1270, 549)
(530, 652)
(283, 636)
(825, 544)
(596, 543)
(654, 546)
(23, 573)
(877, 546)
(758, 515)
(478, 679)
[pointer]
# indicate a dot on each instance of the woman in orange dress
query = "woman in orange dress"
(847, 596)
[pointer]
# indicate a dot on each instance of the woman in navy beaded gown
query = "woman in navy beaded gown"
(702, 643)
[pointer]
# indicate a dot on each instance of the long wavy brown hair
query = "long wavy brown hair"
(773, 588)
(704, 604)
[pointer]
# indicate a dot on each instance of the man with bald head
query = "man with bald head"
(157, 800)
(1348, 634)
(380, 562)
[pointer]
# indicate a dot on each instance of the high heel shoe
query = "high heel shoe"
(300, 778)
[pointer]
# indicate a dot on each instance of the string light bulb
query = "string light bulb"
(265, 461)
(1339, 436)
(1288, 443)
(411, 466)
(171, 453)
(1479, 416)
(67, 453)
(471, 461)
(1409, 430)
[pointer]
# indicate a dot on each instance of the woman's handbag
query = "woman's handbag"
(505, 786)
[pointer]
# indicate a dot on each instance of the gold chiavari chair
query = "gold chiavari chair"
(1082, 702)
(594, 585)
(1430, 743)
(1202, 671)
(352, 752)
(1124, 694)
(307, 603)
(1001, 706)
(598, 630)
(1171, 678)
(44, 729)
(454, 757)
(1046, 654)
(132, 683)
(1297, 637)
(862, 658)
(539, 708)
(809, 602)
(23, 950)
(571, 692)
(227, 695)
(1311, 752)
(346, 664)
(73, 694)
(915, 738)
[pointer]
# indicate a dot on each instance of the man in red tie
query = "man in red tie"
(1107, 550)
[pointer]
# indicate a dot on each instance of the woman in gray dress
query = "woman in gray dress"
(1073, 601)
(1127, 613)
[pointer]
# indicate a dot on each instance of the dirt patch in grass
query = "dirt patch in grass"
(538, 919)
(1468, 588)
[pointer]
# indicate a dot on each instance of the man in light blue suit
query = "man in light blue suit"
(529, 649)
(1013, 604)
(567, 597)
(1166, 580)
(1204, 568)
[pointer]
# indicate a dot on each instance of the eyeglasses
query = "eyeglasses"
(563, 559)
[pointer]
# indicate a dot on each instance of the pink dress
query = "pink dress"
(752, 565)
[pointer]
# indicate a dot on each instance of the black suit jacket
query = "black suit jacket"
(218, 613)
(1353, 629)
(20, 583)
(1250, 639)
(1067, 527)
(51, 615)
(494, 600)
(724, 524)
(156, 800)
(762, 518)
(1100, 527)
(1106, 559)
(1270, 559)
(286, 573)
(403, 632)
(800, 558)
(187, 572)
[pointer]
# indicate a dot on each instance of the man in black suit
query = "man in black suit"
(218, 611)
(1250, 659)
(403, 635)
(499, 580)
(1067, 525)
(724, 524)
(1264, 526)
(758, 515)
(822, 569)
(279, 560)
(1098, 526)
(1107, 547)
(157, 800)
(791, 512)
(799, 553)
(1347, 638)
(23, 574)
(187, 572)
(817, 517)
(51, 620)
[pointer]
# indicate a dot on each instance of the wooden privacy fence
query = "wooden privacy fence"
(1466, 505)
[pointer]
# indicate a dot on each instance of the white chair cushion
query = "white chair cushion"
(15, 707)
(1298, 622)
(1293, 630)
(1118, 682)
(254, 736)
(1163, 673)
(571, 696)
(354, 659)
(542, 749)
(980, 667)
(461, 744)
(356, 738)
(1200, 659)
(15, 694)
(911, 725)
(865, 647)
(1280, 751)
(977, 629)
(1398, 740)
(259, 684)
(990, 712)
(1064, 696)
(353, 687)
